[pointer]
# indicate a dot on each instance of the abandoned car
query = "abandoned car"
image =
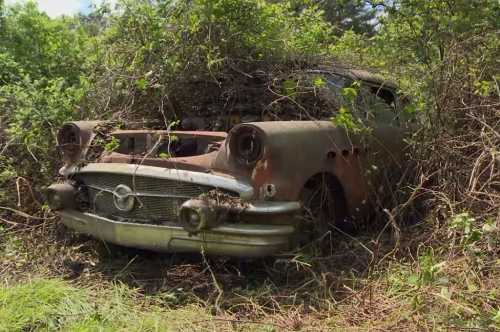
(260, 189)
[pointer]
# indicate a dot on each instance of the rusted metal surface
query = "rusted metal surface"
(194, 163)
(215, 135)
(295, 151)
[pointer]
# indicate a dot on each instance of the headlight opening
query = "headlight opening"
(69, 141)
(246, 145)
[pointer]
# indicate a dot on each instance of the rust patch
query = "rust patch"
(262, 174)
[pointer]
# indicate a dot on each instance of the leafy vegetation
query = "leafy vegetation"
(429, 260)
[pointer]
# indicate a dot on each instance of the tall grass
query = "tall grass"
(55, 305)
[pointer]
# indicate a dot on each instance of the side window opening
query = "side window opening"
(376, 103)
(386, 95)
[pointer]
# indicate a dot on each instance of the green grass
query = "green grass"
(55, 305)
(40, 304)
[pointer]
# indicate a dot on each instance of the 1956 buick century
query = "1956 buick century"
(246, 193)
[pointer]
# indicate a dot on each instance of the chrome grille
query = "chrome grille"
(157, 200)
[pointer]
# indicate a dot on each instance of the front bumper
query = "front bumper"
(240, 240)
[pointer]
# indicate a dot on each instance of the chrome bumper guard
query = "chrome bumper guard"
(239, 240)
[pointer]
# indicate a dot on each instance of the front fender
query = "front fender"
(294, 151)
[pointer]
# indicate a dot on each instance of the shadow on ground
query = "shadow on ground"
(326, 271)
(329, 269)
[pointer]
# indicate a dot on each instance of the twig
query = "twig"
(216, 283)
(355, 240)
(240, 321)
(13, 223)
(18, 187)
(24, 214)
(126, 266)
(6, 146)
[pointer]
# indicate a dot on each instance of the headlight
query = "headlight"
(246, 144)
(69, 142)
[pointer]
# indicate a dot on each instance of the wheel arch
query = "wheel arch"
(335, 187)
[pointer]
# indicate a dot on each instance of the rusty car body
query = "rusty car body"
(241, 193)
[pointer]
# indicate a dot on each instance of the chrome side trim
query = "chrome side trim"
(244, 189)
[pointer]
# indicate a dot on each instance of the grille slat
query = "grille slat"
(149, 209)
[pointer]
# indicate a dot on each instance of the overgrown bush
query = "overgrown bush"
(156, 57)
(42, 82)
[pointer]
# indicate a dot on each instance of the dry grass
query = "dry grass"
(362, 284)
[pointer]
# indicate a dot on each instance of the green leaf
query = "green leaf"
(141, 84)
(289, 87)
(345, 119)
(112, 144)
(349, 94)
(164, 155)
(319, 82)
(413, 279)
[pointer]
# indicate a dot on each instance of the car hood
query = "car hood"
(199, 163)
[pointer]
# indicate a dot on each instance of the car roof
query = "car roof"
(357, 74)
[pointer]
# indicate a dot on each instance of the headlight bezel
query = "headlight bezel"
(246, 144)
